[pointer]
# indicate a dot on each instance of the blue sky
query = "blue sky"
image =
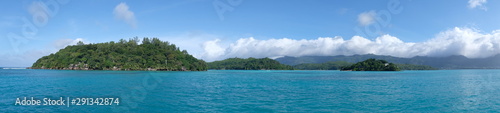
(217, 29)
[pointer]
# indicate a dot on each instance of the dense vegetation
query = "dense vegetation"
(248, 64)
(372, 65)
(322, 66)
(449, 62)
(152, 54)
(337, 65)
(414, 67)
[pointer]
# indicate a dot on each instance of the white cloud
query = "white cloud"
(212, 50)
(194, 42)
(477, 3)
(366, 18)
(123, 13)
(458, 41)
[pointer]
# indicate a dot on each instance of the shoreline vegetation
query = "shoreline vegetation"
(443, 62)
(371, 65)
(153, 54)
(337, 65)
(248, 64)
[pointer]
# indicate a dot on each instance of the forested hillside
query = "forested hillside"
(414, 67)
(338, 64)
(372, 65)
(450, 62)
(248, 64)
(151, 54)
(322, 66)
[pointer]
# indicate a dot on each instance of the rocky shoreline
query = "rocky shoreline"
(81, 66)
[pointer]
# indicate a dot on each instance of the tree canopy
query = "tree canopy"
(248, 64)
(372, 65)
(414, 67)
(337, 65)
(322, 66)
(152, 54)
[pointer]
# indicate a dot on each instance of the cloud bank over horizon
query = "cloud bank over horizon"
(468, 42)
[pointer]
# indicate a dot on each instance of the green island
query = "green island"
(248, 64)
(371, 65)
(334, 65)
(152, 54)
(415, 67)
(337, 65)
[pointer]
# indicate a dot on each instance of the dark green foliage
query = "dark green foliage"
(449, 62)
(248, 64)
(414, 67)
(323, 66)
(337, 65)
(152, 54)
(80, 43)
(372, 65)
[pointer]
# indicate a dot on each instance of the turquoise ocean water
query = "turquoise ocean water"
(256, 91)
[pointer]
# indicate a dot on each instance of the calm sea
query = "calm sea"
(254, 91)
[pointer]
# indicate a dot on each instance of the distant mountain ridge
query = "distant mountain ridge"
(450, 62)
